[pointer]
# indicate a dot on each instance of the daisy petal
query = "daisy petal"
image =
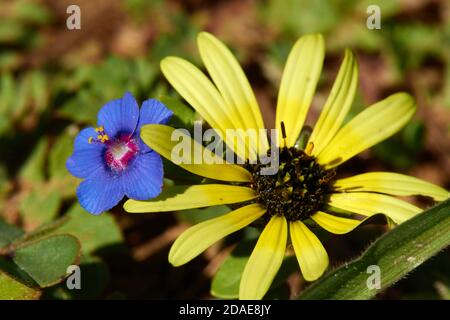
(119, 116)
(144, 178)
(87, 157)
(391, 183)
(233, 86)
(298, 84)
(371, 126)
(338, 103)
(100, 192)
(311, 255)
(334, 224)
(203, 96)
(188, 197)
(198, 238)
(369, 204)
(265, 260)
(198, 159)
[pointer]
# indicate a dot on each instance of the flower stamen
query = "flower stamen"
(309, 148)
(102, 136)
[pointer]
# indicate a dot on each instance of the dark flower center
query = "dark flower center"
(120, 152)
(299, 188)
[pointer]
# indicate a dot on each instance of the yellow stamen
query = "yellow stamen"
(309, 148)
(99, 129)
(90, 140)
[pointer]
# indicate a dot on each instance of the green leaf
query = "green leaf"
(94, 279)
(9, 60)
(45, 229)
(8, 266)
(146, 73)
(60, 151)
(396, 253)
(11, 31)
(8, 233)
(82, 108)
(7, 97)
(225, 284)
(39, 91)
(46, 260)
(40, 206)
(32, 13)
(183, 116)
(95, 233)
(11, 289)
(33, 169)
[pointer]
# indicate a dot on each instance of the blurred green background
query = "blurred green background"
(54, 80)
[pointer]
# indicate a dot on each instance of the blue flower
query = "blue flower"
(113, 159)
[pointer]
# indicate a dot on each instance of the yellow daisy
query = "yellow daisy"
(305, 186)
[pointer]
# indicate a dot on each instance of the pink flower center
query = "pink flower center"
(120, 152)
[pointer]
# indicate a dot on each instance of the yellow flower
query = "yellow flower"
(304, 187)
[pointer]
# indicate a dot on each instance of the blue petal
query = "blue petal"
(87, 157)
(152, 112)
(143, 180)
(100, 192)
(119, 116)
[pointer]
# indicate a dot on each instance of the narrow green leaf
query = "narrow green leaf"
(396, 253)
(46, 260)
(39, 90)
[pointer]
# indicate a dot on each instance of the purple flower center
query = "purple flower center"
(120, 152)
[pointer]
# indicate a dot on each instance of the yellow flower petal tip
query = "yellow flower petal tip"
(298, 84)
(338, 103)
(202, 36)
(311, 255)
(373, 125)
(239, 100)
(165, 62)
(391, 183)
(334, 224)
